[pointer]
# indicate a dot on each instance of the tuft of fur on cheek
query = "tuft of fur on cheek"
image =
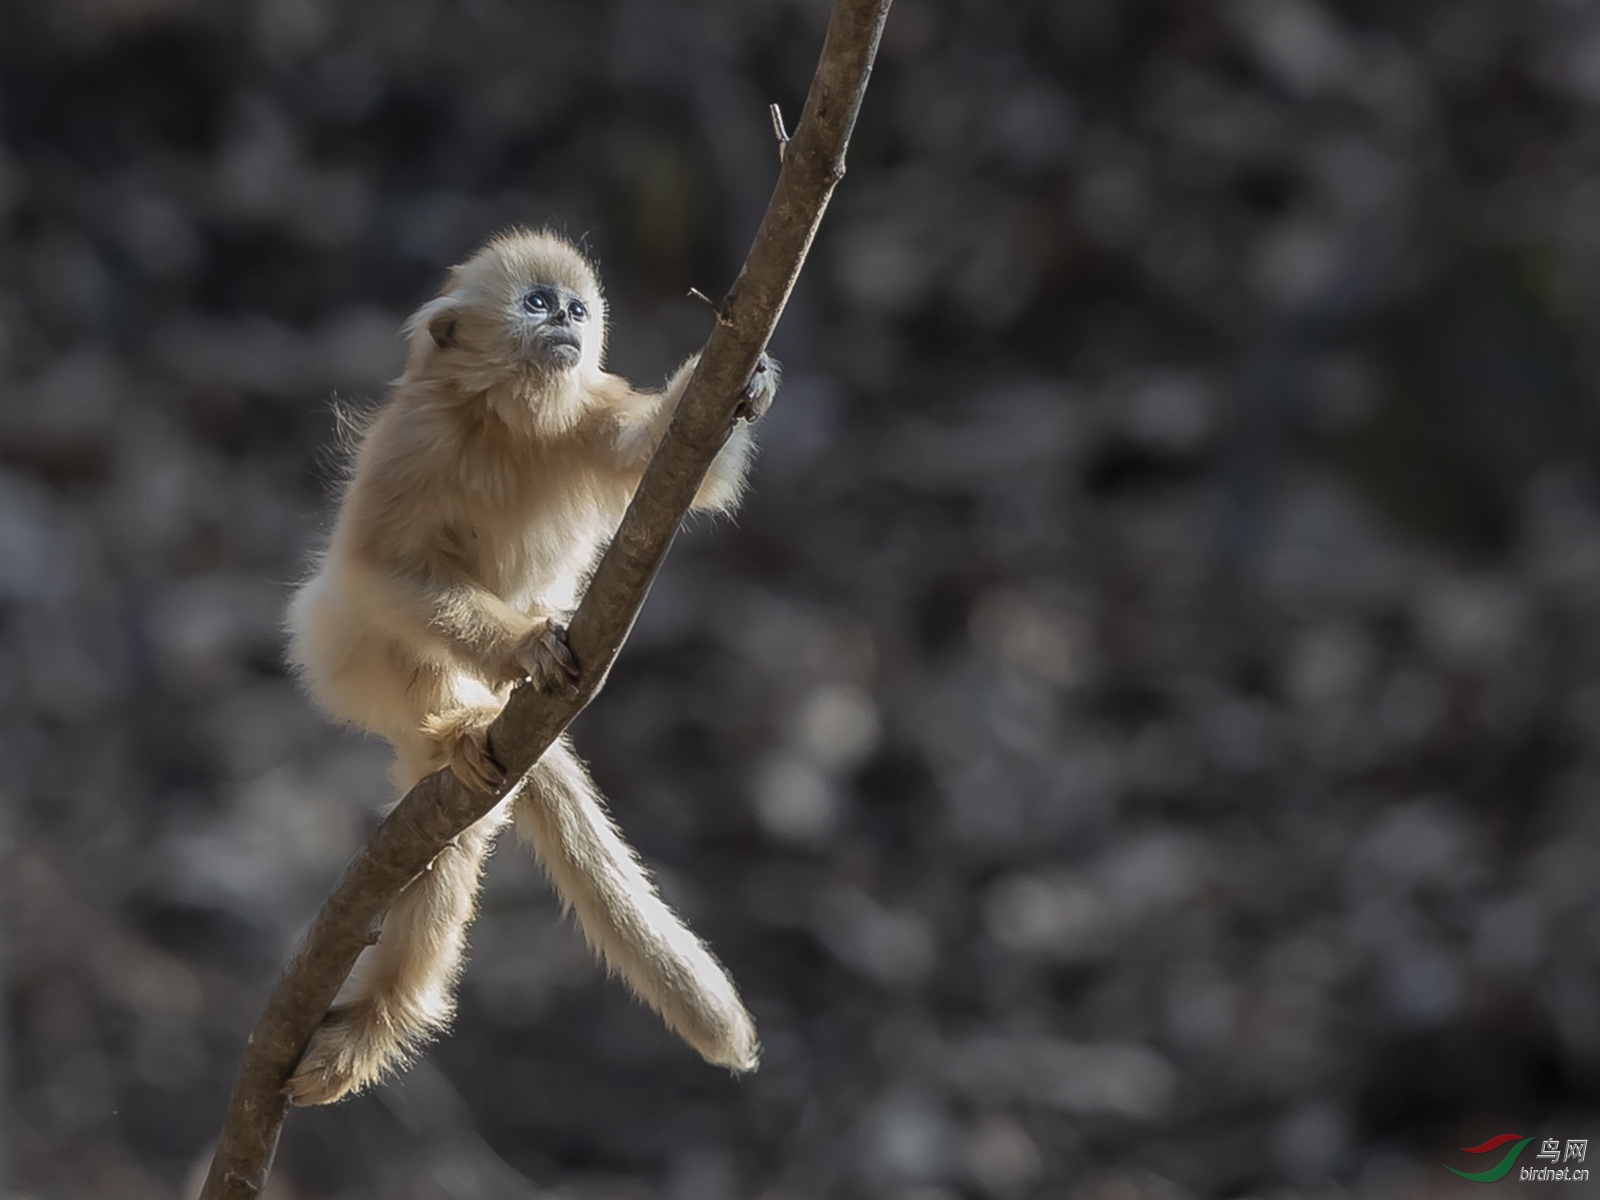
(520, 334)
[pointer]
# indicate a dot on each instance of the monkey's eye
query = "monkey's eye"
(537, 301)
(579, 310)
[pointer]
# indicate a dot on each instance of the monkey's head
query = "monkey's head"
(526, 307)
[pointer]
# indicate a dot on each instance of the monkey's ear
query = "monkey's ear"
(442, 329)
(434, 326)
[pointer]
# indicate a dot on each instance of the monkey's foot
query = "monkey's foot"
(462, 737)
(760, 391)
(549, 661)
(355, 1046)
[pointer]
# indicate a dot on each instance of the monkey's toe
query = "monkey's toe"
(309, 1086)
(461, 739)
(355, 1045)
(471, 762)
(329, 1071)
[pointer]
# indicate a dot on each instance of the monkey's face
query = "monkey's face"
(552, 324)
(521, 326)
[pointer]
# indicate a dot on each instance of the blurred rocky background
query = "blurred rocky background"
(1139, 741)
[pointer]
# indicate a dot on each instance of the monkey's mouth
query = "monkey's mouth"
(562, 346)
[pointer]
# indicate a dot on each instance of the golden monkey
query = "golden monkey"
(479, 499)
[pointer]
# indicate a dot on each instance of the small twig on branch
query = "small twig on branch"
(438, 808)
(778, 130)
(710, 303)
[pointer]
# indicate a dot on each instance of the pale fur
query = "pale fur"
(478, 501)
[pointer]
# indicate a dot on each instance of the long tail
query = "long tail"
(598, 875)
(401, 992)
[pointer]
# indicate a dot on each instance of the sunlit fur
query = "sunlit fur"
(478, 500)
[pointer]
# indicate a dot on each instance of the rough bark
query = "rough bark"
(438, 808)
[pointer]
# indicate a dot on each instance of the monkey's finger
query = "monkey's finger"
(759, 392)
(554, 639)
(753, 403)
(557, 683)
(753, 407)
(549, 674)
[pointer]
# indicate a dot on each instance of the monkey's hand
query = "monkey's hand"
(760, 391)
(545, 658)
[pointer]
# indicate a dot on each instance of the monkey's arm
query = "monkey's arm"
(453, 618)
(642, 419)
(477, 624)
(471, 623)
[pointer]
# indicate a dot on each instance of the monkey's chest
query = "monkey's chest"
(539, 535)
(551, 561)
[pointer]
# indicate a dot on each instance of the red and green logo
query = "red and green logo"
(1502, 1168)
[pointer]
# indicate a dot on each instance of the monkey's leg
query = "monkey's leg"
(402, 989)
(600, 878)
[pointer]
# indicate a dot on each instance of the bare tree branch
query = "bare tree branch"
(438, 808)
